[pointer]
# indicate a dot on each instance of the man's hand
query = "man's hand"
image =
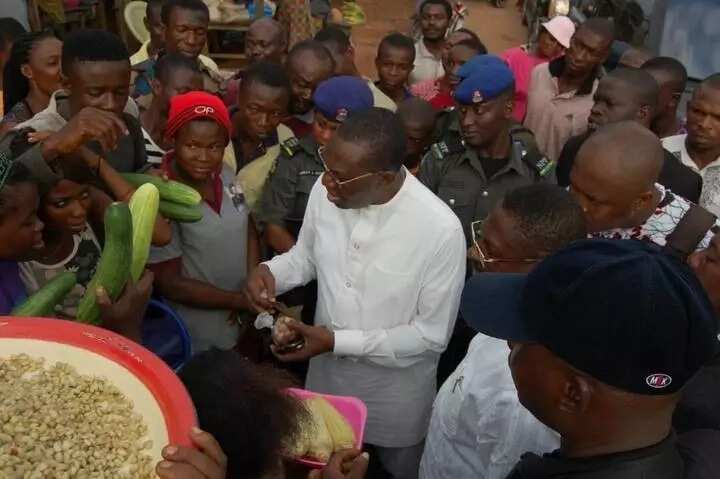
(347, 464)
(243, 303)
(317, 340)
(206, 462)
(260, 288)
(125, 315)
(89, 124)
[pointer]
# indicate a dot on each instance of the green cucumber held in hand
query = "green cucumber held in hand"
(169, 190)
(113, 269)
(144, 205)
(43, 302)
(182, 213)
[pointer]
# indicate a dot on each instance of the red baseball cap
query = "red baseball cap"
(193, 105)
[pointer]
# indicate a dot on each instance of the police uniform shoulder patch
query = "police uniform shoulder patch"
(291, 146)
(447, 147)
(525, 147)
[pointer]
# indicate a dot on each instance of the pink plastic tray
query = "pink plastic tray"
(352, 409)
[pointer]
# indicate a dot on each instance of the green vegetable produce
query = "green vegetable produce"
(181, 213)
(144, 205)
(113, 269)
(169, 190)
(43, 302)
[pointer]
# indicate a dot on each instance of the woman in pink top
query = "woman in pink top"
(553, 39)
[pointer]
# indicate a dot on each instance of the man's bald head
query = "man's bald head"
(614, 175)
(630, 154)
(266, 40)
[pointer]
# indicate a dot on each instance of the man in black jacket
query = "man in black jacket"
(603, 336)
(630, 94)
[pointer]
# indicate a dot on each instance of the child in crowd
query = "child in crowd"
(394, 62)
(73, 212)
(203, 269)
(21, 238)
(174, 74)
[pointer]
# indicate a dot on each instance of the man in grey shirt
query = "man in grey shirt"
(95, 109)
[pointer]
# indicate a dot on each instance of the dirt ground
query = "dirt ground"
(498, 28)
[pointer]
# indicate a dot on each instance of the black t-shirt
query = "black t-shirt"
(661, 461)
(674, 176)
(491, 166)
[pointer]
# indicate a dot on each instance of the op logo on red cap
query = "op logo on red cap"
(204, 110)
(658, 381)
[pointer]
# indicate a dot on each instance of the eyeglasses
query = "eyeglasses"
(335, 179)
(482, 258)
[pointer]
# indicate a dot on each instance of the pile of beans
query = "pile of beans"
(56, 423)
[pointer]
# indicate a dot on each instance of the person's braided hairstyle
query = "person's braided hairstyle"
(15, 86)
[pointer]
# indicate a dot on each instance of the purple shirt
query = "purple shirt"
(12, 291)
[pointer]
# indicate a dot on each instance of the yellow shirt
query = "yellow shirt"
(252, 177)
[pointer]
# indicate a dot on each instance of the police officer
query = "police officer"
(483, 153)
(299, 165)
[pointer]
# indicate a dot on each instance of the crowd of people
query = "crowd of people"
(462, 209)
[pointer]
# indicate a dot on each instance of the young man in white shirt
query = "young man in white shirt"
(478, 427)
(699, 149)
(389, 257)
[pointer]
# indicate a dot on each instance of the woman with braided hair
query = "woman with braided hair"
(31, 75)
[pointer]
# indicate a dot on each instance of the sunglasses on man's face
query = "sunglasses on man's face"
(484, 259)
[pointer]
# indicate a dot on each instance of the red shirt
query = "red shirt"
(522, 63)
(433, 92)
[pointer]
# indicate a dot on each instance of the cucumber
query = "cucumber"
(169, 190)
(143, 208)
(181, 213)
(113, 269)
(43, 302)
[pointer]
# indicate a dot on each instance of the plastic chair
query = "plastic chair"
(134, 15)
(165, 334)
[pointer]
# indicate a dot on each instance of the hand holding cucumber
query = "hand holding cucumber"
(125, 315)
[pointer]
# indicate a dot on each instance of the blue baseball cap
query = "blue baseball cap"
(340, 96)
(483, 78)
(621, 311)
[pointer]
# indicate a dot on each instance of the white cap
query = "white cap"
(561, 28)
